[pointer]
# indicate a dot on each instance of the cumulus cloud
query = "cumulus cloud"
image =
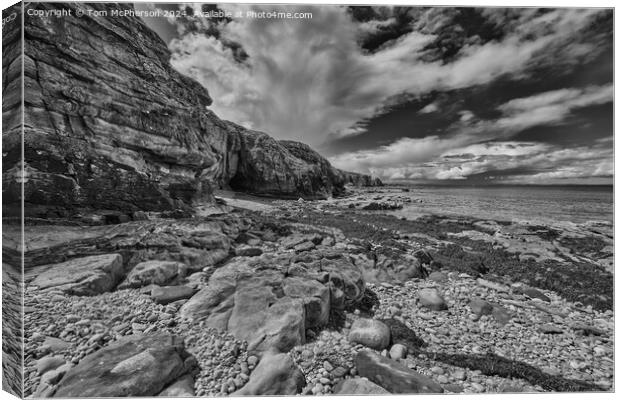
(429, 108)
(544, 162)
(309, 79)
(478, 146)
(551, 107)
(404, 153)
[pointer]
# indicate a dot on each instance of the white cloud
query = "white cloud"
(466, 115)
(511, 149)
(466, 150)
(550, 107)
(429, 108)
(373, 26)
(546, 162)
(405, 152)
(309, 79)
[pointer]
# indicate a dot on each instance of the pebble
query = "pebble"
(398, 352)
(574, 352)
(437, 370)
(252, 361)
(318, 388)
(477, 387)
(459, 375)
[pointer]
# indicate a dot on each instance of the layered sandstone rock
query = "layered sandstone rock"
(109, 124)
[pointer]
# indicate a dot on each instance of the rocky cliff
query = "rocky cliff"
(109, 124)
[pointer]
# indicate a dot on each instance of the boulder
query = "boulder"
(501, 315)
(152, 272)
(133, 366)
(275, 375)
(438, 276)
(480, 307)
(315, 297)
(431, 299)
(53, 345)
(183, 387)
(265, 321)
(247, 251)
(305, 246)
(86, 276)
(48, 363)
(357, 386)
(371, 333)
(259, 301)
(293, 240)
(392, 375)
(535, 294)
(52, 376)
(170, 294)
(454, 388)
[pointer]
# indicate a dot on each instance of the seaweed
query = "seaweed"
(583, 282)
(493, 364)
(584, 245)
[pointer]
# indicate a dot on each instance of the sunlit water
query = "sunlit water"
(544, 204)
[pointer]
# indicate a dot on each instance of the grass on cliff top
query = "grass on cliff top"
(583, 282)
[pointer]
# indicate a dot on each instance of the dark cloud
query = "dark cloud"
(383, 24)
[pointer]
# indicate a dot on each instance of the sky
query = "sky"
(448, 95)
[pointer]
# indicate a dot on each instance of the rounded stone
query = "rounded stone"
(431, 299)
(371, 333)
(398, 352)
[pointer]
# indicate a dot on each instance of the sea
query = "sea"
(544, 204)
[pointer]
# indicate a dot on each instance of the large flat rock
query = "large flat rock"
(86, 276)
(197, 242)
(275, 375)
(133, 366)
(392, 375)
(357, 386)
(153, 272)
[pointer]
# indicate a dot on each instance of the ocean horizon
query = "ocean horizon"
(548, 204)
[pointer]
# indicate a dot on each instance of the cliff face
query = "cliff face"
(109, 124)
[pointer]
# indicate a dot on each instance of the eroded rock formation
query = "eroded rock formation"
(109, 124)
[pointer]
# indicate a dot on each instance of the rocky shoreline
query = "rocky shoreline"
(263, 302)
(143, 278)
